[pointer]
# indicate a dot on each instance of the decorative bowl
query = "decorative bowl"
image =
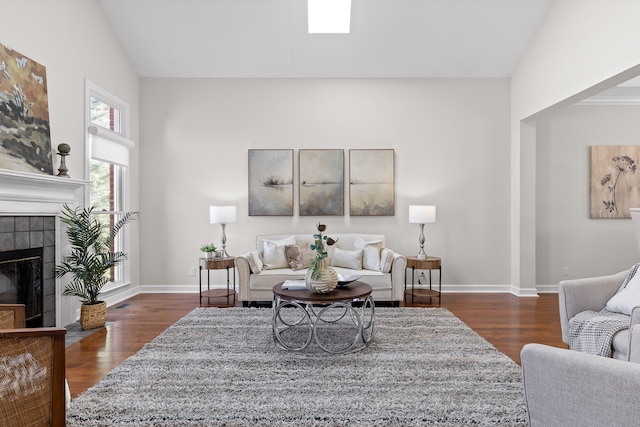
(344, 280)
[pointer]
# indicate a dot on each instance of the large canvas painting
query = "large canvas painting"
(371, 182)
(270, 182)
(25, 142)
(321, 182)
(615, 183)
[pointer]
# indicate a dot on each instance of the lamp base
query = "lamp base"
(421, 256)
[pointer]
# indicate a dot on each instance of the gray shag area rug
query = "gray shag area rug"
(220, 367)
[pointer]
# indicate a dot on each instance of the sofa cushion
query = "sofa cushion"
(347, 259)
(371, 252)
(620, 345)
(298, 256)
(254, 261)
(273, 254)
(267, 279)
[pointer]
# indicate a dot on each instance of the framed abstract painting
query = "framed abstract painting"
(25, 141)
(321, 182)
(270, 182)
(371, 182)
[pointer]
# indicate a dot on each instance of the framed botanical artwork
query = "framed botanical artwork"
(371, 182)
(321, 182)
(615, 185)
(25, 141)
(271, 182)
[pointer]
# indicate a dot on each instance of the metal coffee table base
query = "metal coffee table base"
(304, 321)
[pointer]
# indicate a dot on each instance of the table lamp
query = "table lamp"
(421, 215)
(222, 215)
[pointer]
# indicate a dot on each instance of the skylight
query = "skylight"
(329, 16)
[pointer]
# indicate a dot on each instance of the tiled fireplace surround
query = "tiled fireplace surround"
(33, 232)
(29, 208)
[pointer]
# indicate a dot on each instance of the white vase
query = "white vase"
(208, 255)
(326, 281)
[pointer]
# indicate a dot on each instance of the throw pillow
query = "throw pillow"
(255, 263)
(273, 255)
(628, 296)
(386, 260)
(371, 254)
(298, 256)
(347, 259)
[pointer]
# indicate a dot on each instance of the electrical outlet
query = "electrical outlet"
(192, 271)
(565, 271)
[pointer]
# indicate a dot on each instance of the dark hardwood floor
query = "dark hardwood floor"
(506, 321)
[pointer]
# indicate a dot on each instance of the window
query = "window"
(108, 162)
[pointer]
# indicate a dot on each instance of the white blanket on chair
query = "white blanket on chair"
(592, 331)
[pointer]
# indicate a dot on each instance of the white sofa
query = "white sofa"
(257, 286)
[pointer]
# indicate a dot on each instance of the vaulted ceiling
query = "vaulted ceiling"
(268, 38)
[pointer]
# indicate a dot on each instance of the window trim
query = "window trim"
(94, 91)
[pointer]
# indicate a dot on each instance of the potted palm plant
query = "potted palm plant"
(90, 260)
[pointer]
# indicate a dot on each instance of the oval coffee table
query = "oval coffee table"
(331, 320)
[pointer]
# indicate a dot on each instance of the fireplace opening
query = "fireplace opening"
(21, 282)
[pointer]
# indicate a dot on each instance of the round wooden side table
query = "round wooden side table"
(217, 264)
(430, 263)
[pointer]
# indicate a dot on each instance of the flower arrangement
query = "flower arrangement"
(320, 250)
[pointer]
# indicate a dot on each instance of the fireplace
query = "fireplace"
(27, 258)
(21, 282)
(29, 206)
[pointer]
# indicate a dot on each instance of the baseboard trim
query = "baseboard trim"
(547, 289)
(496, 289)
(171, 289)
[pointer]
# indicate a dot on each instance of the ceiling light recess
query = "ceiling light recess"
(329, 16)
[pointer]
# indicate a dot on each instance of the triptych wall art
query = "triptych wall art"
(321, 182)
(371, 182)
(615, 185)
(270, 182)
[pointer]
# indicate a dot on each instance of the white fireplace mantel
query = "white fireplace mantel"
(23, 193)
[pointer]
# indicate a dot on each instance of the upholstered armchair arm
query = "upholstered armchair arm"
(634, 336)
(12, 316)
(634, 344)
(571, 388)
(590, 293)
(37, 398)
(244, 274)
(398, 268)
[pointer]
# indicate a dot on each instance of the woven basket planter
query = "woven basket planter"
(93, 316)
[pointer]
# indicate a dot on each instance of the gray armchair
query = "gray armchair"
(569, 388)
(593, 293)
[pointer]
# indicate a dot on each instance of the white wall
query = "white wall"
(566, 236)
(581, 48)
(450, 138)
(73, 40)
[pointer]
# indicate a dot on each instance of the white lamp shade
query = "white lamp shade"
(422, 214)
(222, 214)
